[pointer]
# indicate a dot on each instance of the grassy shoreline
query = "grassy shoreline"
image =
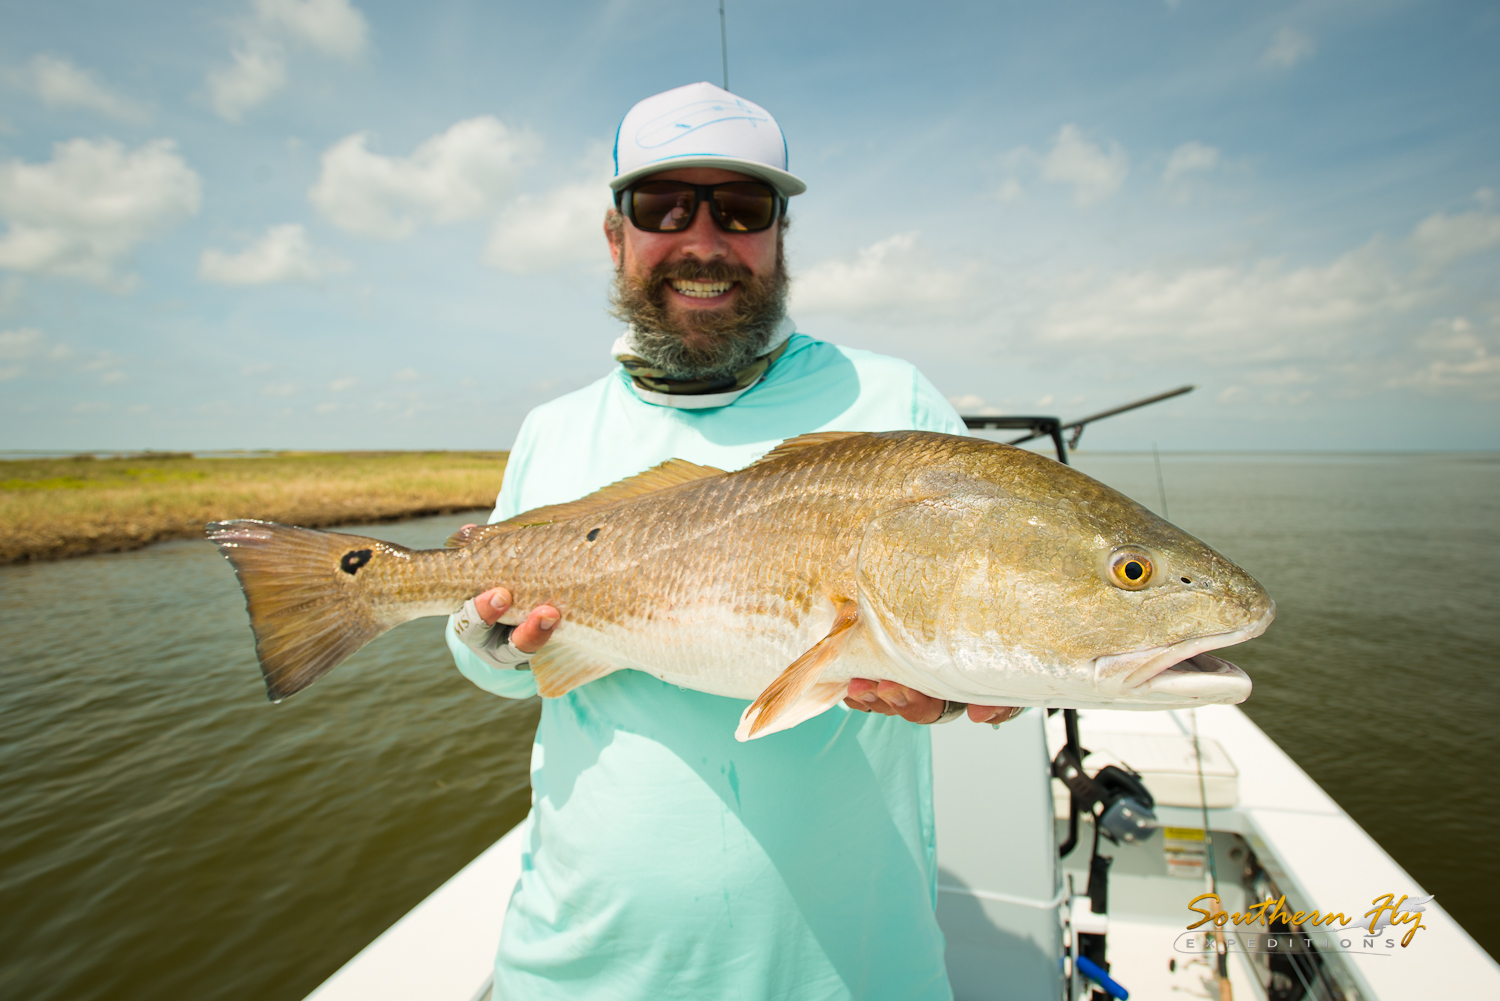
(55, 508)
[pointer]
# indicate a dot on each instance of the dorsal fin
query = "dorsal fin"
(463, 536)
(805, 441)
(672, 473)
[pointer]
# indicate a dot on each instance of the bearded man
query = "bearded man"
(663, 858)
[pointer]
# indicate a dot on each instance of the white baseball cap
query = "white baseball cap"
(701, 125)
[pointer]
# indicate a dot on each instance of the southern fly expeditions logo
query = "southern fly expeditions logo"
(1377, 933)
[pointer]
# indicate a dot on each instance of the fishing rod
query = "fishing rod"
(1226, 991)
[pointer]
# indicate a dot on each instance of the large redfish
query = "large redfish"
(965, 569)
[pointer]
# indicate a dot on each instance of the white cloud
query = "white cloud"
(1285, 375)
(21, 344)
(460, 174)
(11, 291)
(1094, 172)
(347, 382)
(259, 70)
(1441, 239)
(60, 84)
(1277, 330)
(1010, 190)
(1259, 312)
(333, 27)
(1188, 158)
(104, 359)
(973, 403)
(558, 230)
(81, 213)
(280, 389)
(282, 255)
(24, 345)
(1458, 357)
(1289, 48)
(887, 277)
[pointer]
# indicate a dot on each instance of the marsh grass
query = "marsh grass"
(51, 508)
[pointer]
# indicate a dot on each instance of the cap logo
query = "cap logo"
(700, 126)
(689, 118)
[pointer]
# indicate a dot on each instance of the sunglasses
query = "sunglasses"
(669, 206)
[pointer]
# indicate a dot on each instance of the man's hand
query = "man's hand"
(891, 699)
(529, 636)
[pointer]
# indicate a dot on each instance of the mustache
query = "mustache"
(694, 271)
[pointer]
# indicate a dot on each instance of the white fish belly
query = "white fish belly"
(710, 647)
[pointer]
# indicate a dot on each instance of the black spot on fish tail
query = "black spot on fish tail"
(353, 560)
(305, 622)
(593, 534)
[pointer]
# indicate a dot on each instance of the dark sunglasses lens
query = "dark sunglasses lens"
(744, 206)
(662, 206)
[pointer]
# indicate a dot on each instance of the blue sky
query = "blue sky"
(332, 224)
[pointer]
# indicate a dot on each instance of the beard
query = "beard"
(701, 344)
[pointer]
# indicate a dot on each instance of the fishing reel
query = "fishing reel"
(1116, 797)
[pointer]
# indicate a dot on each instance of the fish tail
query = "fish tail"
(308, 607)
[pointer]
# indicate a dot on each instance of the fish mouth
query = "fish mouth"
(1182, 670)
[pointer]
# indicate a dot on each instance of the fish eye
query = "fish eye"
(1130, 569)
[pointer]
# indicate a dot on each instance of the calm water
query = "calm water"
(165, 832)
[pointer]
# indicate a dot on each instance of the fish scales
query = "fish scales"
(773, 523)
(965, 569)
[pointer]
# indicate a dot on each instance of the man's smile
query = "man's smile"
(700, 290)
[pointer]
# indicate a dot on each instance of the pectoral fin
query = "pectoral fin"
(796, 694)
(559, 669)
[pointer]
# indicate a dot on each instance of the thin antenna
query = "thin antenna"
(724, 44)
(1161, 489)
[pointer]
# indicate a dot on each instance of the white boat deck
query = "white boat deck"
(1317, 853)
(1001, 890)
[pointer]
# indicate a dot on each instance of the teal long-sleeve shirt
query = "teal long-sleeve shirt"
(664, 859)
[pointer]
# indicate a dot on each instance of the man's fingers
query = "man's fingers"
(527, 637)
(530, 635)
(993, 714)
(891, 699)
(492, 604)
(910, 704)
(862, 696)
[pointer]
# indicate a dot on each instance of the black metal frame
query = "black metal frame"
(1038, 426)
(1052, 427)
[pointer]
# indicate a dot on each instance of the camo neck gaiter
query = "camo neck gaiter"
(655, 386)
